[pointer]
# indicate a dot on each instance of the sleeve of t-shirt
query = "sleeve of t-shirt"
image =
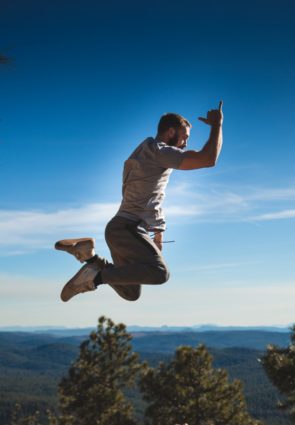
(168, 156)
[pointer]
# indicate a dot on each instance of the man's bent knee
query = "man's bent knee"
(162, 275)
(133, 293)
(128, 292)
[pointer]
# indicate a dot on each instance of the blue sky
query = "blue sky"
(88, 81)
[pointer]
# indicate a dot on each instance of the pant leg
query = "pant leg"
(144, 263)
(128, 292)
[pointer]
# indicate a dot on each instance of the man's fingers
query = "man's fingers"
(203, 120)
(220, 105)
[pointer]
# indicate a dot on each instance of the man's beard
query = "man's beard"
(174, 140)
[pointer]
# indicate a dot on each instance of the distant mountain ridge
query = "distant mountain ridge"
(64, 331)
(160, 342)
(206, 328)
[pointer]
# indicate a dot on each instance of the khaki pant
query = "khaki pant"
(136, 258)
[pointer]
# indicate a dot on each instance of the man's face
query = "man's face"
(180, 137)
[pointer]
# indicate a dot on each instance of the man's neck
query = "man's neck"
(159, 138)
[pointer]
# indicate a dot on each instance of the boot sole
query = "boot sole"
(64, 244)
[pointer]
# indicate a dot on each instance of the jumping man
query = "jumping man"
(137, 257)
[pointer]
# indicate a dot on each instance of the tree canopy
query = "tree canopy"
(188, 389)
(279, 364)
(185, 390)
(92, 393)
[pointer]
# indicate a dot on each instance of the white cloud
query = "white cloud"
(218, 266)
(231, 203)
(27, 230)
(178, 211)
(269, 194)
(279, 215)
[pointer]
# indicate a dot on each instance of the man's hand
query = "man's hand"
(158, 239)
(214, 116)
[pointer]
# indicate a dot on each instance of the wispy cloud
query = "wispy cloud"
(269, 194)
(220, 203)
(218, 266)
(27, 230)
(179, 211)
(21, 231)
(279, 215)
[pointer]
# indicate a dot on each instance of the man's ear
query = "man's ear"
(171, 132)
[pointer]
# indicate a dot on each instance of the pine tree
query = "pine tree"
(189, 390)
(18, 418)
(279, 364)
(92, 393)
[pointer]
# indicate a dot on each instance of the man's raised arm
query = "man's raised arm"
(208, 155)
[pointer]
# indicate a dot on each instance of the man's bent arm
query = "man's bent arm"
(208, 155)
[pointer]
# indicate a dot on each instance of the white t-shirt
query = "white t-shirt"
(145, 177)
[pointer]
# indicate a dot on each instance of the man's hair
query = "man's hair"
(172, 120)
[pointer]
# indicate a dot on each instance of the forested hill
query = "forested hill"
(31, 365)
(159, 341)
(167, 342)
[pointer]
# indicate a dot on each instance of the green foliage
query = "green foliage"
(18, 417)
(32, 365)
(279, 364)
(188, 389)
(92, 393)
